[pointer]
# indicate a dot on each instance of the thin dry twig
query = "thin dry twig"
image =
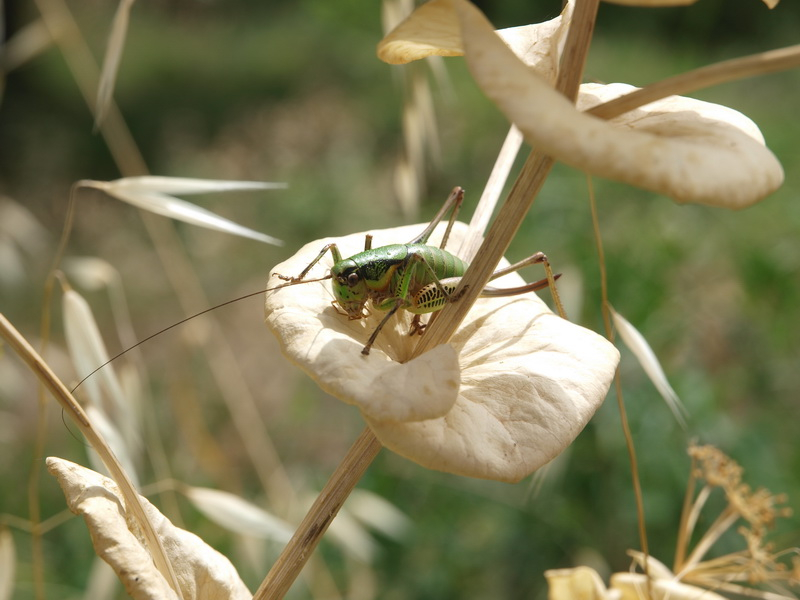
(319, 517)
(722, 72)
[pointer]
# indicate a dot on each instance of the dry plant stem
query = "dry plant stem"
(491, 193)
(729, 70)
(74, 410)
(684, 529)
(626, 430)
(525, 189)
(319, 517)
(494, 246)
(522, 194)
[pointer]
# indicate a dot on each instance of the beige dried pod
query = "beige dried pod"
(689, 150)
(513, 387)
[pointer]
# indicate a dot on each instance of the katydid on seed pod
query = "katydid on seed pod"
(414, 277)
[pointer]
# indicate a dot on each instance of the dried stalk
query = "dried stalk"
(71, 406)
(710, 75)
(358, 458)
(319, 517)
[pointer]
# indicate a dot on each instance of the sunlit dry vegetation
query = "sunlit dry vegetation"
(158, 160)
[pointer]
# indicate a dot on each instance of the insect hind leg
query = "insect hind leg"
(453, 201)
(549, 281)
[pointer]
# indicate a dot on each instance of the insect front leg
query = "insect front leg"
(337, 256)
(398, 303)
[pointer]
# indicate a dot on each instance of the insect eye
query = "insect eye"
(352, 279)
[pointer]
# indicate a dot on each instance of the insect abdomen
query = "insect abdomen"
(442, 263)
(425, 295)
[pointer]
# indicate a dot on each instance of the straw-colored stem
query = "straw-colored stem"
(730, 70)
(72, 408)
(623, 415)
(525, 189)
(519, 201)
(319, 517)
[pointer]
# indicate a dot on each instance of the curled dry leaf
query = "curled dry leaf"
(433, 30)
(509, 392)
(689, 150)
(202, 572)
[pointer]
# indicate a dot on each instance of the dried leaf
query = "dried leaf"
(378, 513)
(202, 572)
(583, 583)
(689, 150)
(511, 390)
(433, 29)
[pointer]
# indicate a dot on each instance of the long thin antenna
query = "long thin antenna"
(189, 318)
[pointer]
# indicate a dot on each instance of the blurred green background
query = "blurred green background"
(293, 92)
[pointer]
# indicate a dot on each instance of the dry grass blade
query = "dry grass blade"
(108, 75)
(236, 514)
(25, 45)
(377, 513)
(116, 441)
(87, 350)
(354, 540)
(8, 564)
(74, 410)
(153, 194)
(638, 345)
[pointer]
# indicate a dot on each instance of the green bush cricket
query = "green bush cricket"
(415, 276)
